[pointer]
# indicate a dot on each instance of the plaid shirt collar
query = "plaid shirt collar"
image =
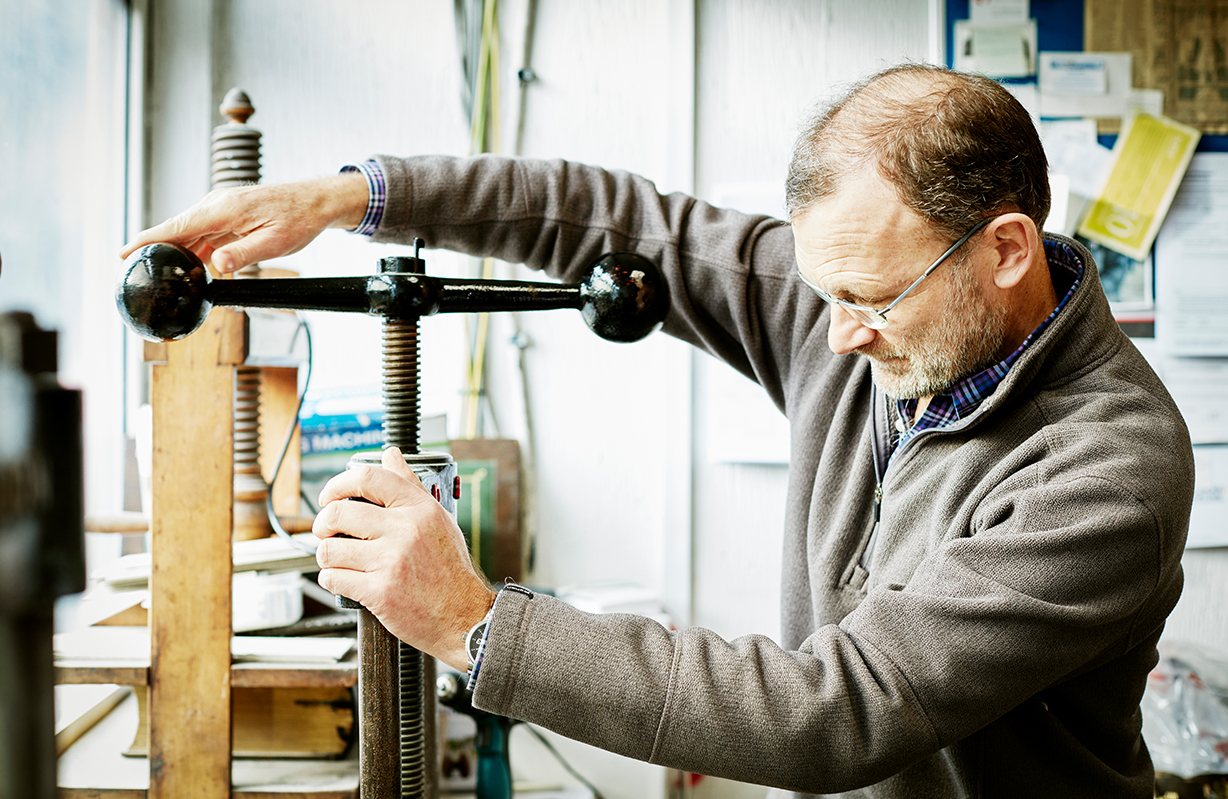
(967, 394)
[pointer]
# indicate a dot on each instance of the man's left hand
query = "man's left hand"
(406, 560)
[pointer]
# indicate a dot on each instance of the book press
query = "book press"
(167, 295)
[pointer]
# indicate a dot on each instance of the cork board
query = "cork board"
(1179, 47)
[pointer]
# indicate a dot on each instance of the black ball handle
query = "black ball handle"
(165, 293)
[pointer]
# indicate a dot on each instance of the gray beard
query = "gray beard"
(955, 348)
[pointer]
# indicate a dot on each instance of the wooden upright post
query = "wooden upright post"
(190, 619)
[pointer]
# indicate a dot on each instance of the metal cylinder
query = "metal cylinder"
(379, 709)
(416, 671)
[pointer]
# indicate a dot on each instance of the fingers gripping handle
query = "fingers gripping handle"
(436, 471)
(165, 293)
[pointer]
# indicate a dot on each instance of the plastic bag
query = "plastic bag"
(1185, 712)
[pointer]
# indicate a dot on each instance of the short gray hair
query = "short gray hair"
(957, 147)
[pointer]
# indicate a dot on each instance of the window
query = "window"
(63, 99)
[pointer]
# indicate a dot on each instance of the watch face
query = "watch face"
(475, 641)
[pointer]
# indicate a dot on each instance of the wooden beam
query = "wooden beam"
(190, 527)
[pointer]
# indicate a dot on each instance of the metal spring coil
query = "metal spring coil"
(413, 723)
(401, 385)
(400, 367)
(247, 420)
(236, 155)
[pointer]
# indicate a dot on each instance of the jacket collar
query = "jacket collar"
(1084, 334)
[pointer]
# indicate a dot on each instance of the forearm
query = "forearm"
(730, 274)
(745, 709)
(345, 200)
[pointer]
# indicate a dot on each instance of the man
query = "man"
(989, 489)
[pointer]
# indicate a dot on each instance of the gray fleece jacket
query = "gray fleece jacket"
(998, 642)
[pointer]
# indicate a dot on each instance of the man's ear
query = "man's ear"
(1015, 242)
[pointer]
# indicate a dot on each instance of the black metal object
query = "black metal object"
(166, 293)
(42, 546)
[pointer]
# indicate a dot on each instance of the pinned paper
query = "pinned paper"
(1000, 51)
(1059, 220)
(1026, 94)
(1073, 150)
(1075, 73)
(1149, 101)
(1207, 528)
(1149, 160)
(997, 12)
(1084, 84)
(1191, 283)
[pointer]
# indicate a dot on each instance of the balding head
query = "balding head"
(956, 147)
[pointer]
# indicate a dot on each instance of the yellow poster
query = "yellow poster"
(1149, 160)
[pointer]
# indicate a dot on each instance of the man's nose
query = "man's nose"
(845, 334)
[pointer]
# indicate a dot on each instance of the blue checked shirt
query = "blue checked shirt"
(968, 393)
(377, 195)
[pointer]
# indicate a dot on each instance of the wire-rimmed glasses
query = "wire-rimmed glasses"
(876, 318)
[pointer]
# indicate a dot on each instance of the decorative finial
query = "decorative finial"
(236, 106)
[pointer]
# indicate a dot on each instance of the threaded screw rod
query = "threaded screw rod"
(401, 417)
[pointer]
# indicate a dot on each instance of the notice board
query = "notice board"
(1179, 47)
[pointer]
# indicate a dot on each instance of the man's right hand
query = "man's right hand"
(232, 228)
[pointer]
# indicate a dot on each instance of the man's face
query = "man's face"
(863, 245)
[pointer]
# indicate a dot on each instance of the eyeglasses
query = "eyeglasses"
(876, 319)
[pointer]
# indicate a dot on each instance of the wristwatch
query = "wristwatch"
(473, 639)
(477, 633)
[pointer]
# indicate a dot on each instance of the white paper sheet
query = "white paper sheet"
(1149, 101)
(997, 50)
(998, 11)
(1086, 73)
(1059, 220)
(1028, 97)
(1073, 151)
(1191, 261)
(1209, 514)
(1084, 84)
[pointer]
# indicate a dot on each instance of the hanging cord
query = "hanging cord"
(468, 44)
(285, 447)
(562, 761)
(485, 125)
(525, 75)
(520, 339)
